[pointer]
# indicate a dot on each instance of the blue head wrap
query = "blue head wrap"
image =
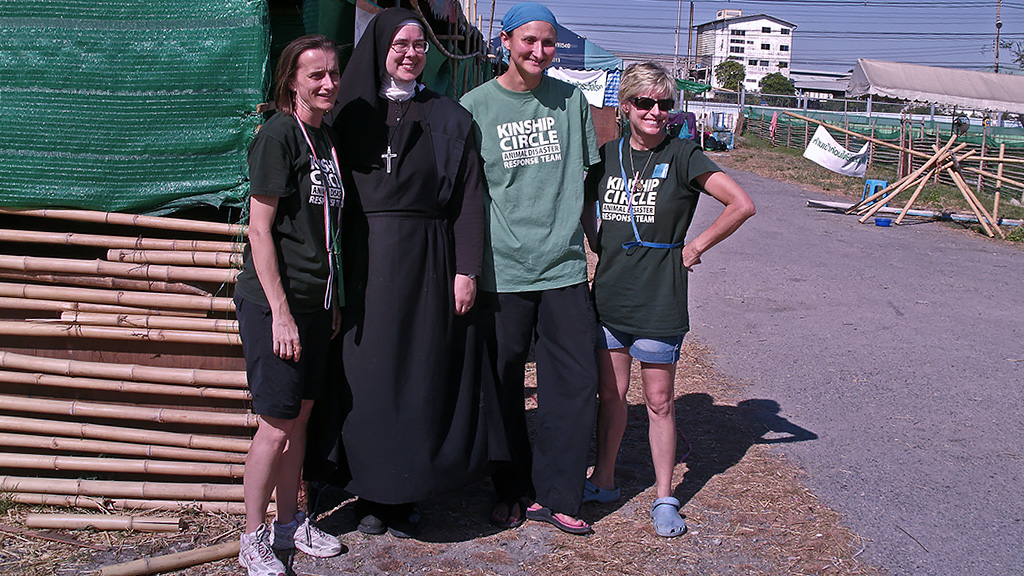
(526, 12)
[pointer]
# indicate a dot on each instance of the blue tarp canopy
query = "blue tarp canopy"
(574, 52)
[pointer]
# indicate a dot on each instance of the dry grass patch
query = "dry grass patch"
(745, 505)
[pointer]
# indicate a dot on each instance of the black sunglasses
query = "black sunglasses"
(645, 103)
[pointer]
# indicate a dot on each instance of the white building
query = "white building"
(762, 43)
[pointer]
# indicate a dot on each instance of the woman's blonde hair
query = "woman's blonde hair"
(643, 77)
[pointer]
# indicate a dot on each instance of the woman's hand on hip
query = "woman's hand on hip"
(690, 257)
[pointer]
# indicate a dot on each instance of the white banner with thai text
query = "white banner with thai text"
(591, 82)
(825, 151)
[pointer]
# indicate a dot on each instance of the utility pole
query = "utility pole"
(675, 60)
(689, 42)
(999, 24)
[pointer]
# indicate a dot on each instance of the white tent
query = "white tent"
(949, 86)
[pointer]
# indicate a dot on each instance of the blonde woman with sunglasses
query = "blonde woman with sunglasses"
(647, 186)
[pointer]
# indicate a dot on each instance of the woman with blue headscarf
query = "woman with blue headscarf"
(536, 139)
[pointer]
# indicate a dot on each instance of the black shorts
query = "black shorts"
(279, 386)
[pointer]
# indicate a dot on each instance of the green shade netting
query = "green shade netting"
(128, 105)
(690, 86)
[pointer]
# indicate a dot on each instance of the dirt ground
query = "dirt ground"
(745, 507)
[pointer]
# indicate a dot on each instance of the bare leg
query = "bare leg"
(261, 466)
(613, 383)
(289, 467)
(659, 393)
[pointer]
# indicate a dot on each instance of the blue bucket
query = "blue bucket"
(884, 222)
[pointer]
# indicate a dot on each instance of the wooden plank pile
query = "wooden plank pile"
(121, 380)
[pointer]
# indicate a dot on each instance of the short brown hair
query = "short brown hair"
(643, 76)
(288, 65)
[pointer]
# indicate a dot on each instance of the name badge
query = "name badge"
(660, 171)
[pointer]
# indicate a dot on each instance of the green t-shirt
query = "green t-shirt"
(535, 146)
(280, 165)
(642, 291)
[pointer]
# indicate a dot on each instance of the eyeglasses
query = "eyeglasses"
(645, 103)
(403, 46)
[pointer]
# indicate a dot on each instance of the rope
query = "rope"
(433, 37)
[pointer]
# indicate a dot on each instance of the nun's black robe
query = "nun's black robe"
(415, 379)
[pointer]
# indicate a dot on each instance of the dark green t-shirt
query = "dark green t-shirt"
(280, 165)
(642, 290)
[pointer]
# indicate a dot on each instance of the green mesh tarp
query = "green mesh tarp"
(128, 105)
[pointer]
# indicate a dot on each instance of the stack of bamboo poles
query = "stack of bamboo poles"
(943, 161)
(121, 383)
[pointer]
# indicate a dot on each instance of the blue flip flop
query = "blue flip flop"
(592, 493)
(667, 521)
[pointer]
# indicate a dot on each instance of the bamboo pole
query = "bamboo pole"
(913, 176)
(913, 197)
(120, 465)
(973, 201)
(864, 202)
(897, 147)
(921, 184)
(197, 442)
(134, 372)
(965, 192)
(104, 241)
(123, 412)
(116, 489)
(21, 328)
(32, 442)
(898, 186)
(177, 258)
(999, 183)
(33, 379)
(159, 222)
(976, 204)
(47, 536)
(128, 270)
(97, 503)
(105, 522)
(157, 322)
(170, 562)
(96, 296)
(925, 214)
(1000, 158)
(103, 282)
(18, 303)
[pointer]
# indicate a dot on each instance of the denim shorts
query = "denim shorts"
(655, 350)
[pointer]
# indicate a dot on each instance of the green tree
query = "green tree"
(1015, 48)
(776, 83)
(730, 74)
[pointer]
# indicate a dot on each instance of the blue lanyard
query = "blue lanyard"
(632, 218)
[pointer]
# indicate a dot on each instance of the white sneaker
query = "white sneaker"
(256, 555)
(302, 534)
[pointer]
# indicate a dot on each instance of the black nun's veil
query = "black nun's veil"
(358, 118)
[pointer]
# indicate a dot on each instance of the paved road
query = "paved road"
(902, 348)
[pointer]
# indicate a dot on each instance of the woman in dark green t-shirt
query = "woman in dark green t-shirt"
(648, 186)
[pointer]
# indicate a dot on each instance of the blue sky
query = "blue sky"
(830, 34)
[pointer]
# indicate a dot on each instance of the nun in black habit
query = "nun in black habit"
(415, 377)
